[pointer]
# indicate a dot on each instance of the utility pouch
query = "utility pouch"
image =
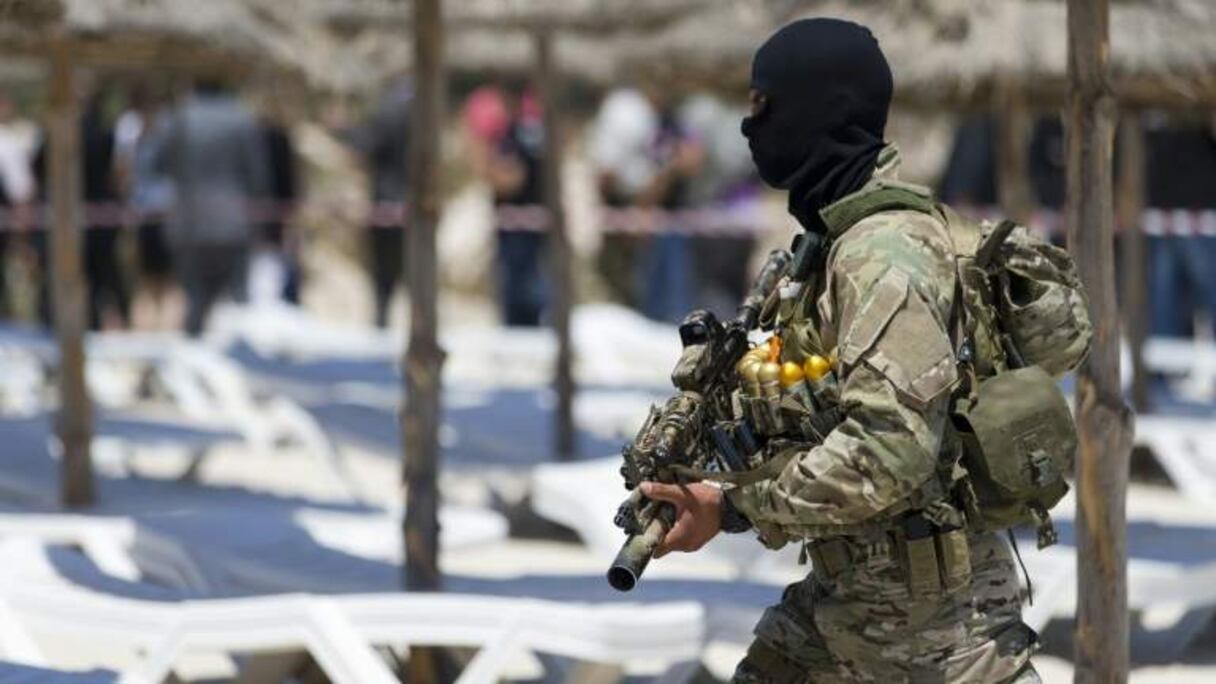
(1019, 441)
(920, 551)
(954, 558)
(765, 415)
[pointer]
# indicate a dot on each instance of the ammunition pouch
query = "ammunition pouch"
(1019, 441)
(934, 560)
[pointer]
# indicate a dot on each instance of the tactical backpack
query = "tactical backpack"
(1020, 320)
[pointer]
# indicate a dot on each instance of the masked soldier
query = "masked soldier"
(901, 589)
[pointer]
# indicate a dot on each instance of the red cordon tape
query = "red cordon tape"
(1154, 222)
(509, 218)
(706, 221)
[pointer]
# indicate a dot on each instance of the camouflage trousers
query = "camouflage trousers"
(864, 625)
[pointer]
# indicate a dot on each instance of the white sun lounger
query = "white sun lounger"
(338, 632)
(290, 549)
(204, 385)
(1186, 449)
(1192, 360)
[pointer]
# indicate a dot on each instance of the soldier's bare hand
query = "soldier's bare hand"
(698, 514)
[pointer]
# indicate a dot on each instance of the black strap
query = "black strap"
(1018, 554)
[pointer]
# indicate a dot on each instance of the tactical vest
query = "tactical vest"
(1019, 320)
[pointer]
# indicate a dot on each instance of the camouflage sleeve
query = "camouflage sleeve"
(891, 300)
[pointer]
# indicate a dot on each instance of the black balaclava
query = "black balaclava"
(828, 89)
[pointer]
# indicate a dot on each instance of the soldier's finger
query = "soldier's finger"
(659, 491)
(679, 537)
(670, 541)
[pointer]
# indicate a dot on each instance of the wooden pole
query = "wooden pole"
(1012, 153)
(1134, 258)
(74, 422)
(548, 81)
(423, 356)
(1103, 421)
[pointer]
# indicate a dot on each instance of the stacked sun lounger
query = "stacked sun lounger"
(60, 590)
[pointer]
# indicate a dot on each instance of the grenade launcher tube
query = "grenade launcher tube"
(638, 549)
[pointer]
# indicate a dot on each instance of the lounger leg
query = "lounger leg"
(566, 671)
(197, 456)
(271, 668)
(486, 666)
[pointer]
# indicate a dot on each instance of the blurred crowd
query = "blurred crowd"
(207, 184)
(666, 171)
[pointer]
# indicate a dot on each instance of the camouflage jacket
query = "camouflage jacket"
(883, 304)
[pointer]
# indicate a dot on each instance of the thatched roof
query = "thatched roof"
(240, 35)
(958, 51)
(589, 16)
(943, 52)
(497, 35)
(342, 45)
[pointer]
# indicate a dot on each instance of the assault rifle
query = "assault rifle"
(695, 430)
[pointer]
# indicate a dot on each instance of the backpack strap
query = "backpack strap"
(877, 196)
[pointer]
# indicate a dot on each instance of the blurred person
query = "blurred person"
(280, 242)
(910, 580)
(668, 276)
(969, 179)
(108, 294)
(728, 186)
(109, 299)
(214, 153)
(17, 187)
(620, 141)
(1180, 224)
(645, 158)
(509, 159)
(383, 141)
(1047, 159)
(138, 134)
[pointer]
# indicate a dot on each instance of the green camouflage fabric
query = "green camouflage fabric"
(864, 626)
(884, 305)
(1044, 307)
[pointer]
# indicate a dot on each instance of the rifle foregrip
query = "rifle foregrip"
(637, 551)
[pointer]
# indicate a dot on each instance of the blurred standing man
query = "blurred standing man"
(137, 137)
(384, 142)
(214, 152)
(102, 222)
(512, 168)
(645, 159)
(668, 276)
(280, 204)
(869, 611)
(1180, 177)
(729, 187)
(621, 141)
(107, 285)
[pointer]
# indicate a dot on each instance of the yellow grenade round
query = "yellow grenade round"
(770, 379)
(791, 374)
(816, 367)
(749, 369)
